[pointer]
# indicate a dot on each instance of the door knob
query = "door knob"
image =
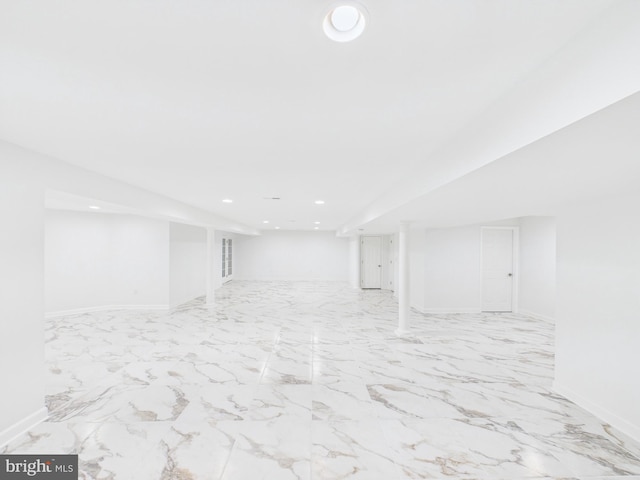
(510, 274)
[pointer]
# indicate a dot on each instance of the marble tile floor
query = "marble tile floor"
(306, 380)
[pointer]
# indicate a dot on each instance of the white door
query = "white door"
(371, 262)
(387, 262)
(227, 259)
(497, 270)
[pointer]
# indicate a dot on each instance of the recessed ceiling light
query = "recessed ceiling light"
(94, 207)
(316, 228)
(345, 18)
(227, 200)
(317, 223)
(319, 202)
(344, 23)
(265, 221)
(277, 228)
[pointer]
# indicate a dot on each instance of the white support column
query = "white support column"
(211, 267)
(403, 280)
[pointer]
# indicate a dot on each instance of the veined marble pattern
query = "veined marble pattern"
(307, 380)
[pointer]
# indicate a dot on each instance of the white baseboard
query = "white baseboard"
(103, 308)
(417, 308)
(611, 418)
(23, 425)
(177, 306)
(451, 310)
(537, 316)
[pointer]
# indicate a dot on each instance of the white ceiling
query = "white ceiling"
(245, 99)
(594, 158)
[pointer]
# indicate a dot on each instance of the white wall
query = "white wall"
(292, 255)
(22, 293)
(537, 272)
(417, 252)
(98, 260)
(598, 309)
(452, 270)
(188, 262)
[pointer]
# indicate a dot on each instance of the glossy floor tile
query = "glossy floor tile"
(307, 380)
